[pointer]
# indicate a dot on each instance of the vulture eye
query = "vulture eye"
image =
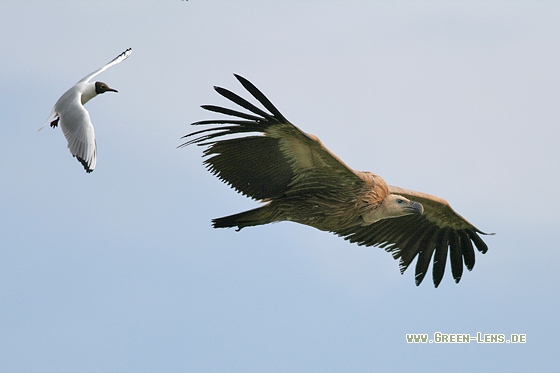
(400, 201)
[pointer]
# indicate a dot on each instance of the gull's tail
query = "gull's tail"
(49, 119)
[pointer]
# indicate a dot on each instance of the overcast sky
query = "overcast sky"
(120, 270)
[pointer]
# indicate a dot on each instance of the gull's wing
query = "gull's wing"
(120, 58)
(439, 231)
(78, 130)
(285, 160)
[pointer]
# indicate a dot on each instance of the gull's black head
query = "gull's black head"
(101, 87)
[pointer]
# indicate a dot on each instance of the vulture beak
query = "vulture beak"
(414, 208)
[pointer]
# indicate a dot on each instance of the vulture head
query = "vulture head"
(393, 206)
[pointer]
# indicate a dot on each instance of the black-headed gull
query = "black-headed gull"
(74, 119)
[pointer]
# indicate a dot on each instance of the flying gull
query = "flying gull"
(74, 119)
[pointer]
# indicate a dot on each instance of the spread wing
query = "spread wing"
(120, 58)
(439, 232)
(275, 160)
(78, 130)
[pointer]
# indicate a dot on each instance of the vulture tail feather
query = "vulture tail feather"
(258, 216)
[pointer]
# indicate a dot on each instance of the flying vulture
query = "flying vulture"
(271, 160)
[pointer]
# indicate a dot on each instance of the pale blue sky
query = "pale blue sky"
(120, 270)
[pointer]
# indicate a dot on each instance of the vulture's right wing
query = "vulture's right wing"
(437, 233)
(277, 159)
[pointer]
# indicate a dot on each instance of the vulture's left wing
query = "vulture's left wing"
(263, 156)
(439, 231)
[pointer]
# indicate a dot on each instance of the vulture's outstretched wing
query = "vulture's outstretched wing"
(285, 160)
(435, 233)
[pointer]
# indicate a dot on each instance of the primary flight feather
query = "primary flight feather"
(271, 160)
(74, 119)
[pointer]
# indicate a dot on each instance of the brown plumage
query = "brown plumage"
(302, 181)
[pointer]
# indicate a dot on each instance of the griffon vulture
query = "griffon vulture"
(273, 161)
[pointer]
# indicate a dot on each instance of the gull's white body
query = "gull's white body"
(74, 119)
